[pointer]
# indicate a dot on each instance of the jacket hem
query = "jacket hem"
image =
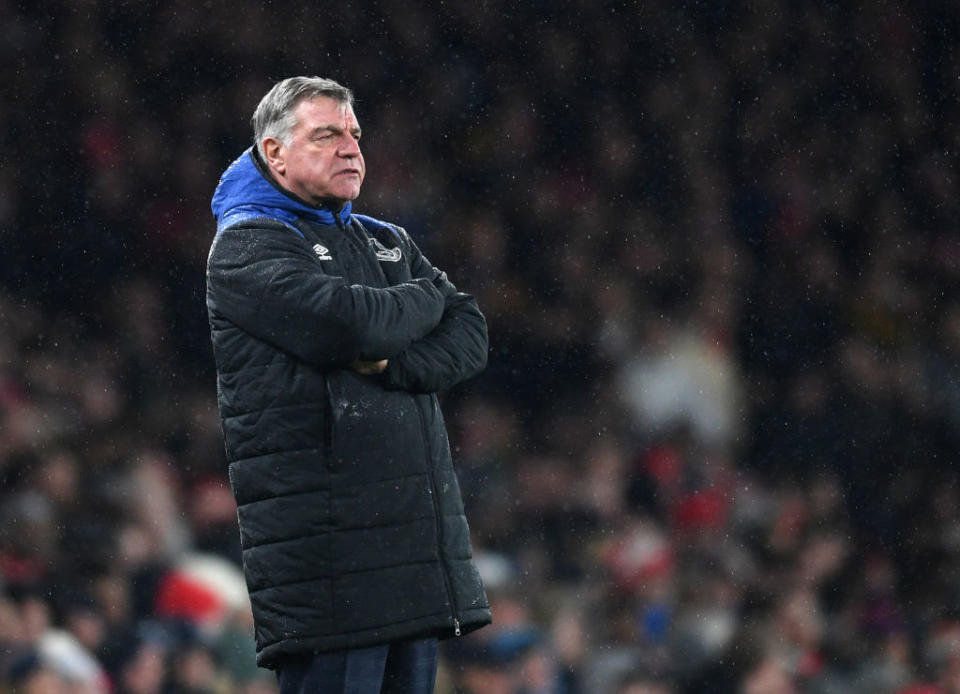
(439, 625)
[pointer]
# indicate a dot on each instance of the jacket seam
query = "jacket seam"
(275, 452)
(283, 496)
(330, 531)
(360, 631)
(340, 574)
(271, 407)
(246, 367)
(272, 453)
(307, 536)
(365, 483)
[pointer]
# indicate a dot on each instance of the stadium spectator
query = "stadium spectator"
(772, 189)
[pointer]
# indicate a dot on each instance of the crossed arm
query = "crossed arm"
(453, 351)
(430, 335)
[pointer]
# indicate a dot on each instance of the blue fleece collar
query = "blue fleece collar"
(244, 193)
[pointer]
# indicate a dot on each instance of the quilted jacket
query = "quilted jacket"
(351, 521)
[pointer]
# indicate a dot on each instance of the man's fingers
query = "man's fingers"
(369, 368)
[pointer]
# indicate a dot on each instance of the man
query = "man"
(332, 334)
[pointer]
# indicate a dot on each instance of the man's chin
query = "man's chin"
(346, 196)
(339, 201)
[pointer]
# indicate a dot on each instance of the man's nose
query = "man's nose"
(350, 147)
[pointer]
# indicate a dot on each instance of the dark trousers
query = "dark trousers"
(408, 667)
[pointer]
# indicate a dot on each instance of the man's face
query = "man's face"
(322, 163)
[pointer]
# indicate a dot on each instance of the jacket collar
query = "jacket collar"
(247, 190)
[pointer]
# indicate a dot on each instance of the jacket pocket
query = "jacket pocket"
(377, 433)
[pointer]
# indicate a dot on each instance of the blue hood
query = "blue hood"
(245, 193)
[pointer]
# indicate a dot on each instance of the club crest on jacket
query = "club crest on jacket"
(389, 255)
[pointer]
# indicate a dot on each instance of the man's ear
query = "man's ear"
(273, 152)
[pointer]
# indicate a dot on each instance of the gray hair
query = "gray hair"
(274, 114)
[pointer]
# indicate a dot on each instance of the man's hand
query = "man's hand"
(369, 368)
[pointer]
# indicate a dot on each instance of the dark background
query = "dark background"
(717, 246)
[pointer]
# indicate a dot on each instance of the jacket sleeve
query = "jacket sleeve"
(265, 280)
(453, 351)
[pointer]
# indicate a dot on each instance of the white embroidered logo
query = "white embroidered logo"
(389, 255)
(323, 253)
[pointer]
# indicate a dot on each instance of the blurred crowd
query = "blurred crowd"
(717, 246)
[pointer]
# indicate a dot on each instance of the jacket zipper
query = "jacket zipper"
(439, 520)
(327, 415)
(354, 237)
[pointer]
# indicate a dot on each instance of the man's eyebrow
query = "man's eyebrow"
(336, 130)
(325, 129)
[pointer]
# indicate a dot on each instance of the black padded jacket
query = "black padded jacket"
(351, 521)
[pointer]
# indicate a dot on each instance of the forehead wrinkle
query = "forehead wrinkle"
(340, 117)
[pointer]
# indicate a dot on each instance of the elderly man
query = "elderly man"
(332, 334)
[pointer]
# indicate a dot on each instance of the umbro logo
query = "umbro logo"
(323, 253)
